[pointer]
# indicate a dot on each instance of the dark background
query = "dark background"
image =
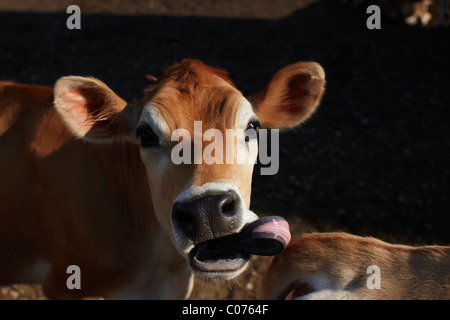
(373, 160)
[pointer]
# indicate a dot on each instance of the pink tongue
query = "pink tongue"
(275, 226)
(266, 236)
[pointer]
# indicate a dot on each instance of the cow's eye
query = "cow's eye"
(253, 125)
(147, 136)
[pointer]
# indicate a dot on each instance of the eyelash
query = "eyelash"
(254, 125)
(147, 136)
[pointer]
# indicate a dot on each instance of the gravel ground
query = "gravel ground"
(373, 160)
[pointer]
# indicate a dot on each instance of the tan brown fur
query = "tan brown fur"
(76, 188)
(339, 262)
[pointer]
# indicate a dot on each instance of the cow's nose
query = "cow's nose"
(206, 218)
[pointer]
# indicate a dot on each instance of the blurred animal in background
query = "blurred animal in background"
(425, 13)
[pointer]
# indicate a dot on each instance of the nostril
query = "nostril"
(182, 219)
(206, 217)
(228, 206)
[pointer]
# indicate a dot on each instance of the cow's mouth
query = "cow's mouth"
(210, 259)
(226, 257)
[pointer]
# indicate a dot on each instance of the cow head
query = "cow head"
(193, 105)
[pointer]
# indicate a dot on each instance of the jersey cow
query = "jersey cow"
(87, 179)
(341, 266)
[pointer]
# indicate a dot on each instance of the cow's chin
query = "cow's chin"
(210, 260)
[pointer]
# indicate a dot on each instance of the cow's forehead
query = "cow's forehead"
(198, 94)
(220, 109)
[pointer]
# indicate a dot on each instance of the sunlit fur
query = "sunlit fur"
(76, 187)
(334, 266)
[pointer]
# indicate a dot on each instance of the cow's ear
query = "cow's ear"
(291, 96)
(92, 111)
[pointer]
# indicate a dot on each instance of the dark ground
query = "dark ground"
(373, 160)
